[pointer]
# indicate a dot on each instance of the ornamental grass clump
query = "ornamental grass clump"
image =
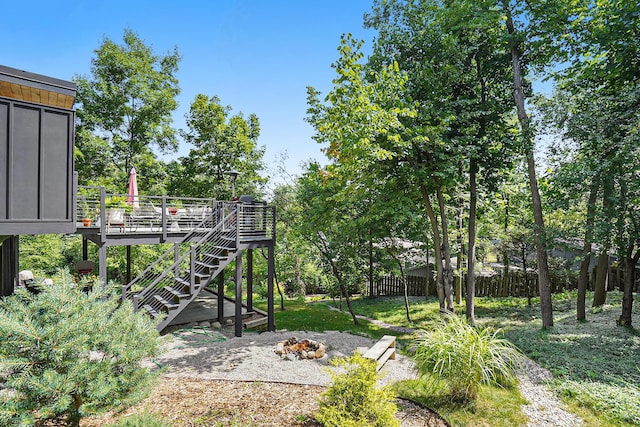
(68, 352)
(354, 399)
(462, 357)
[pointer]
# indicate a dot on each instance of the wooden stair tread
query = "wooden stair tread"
(170, 305)
(182, 282)
(152, 311)
(205, 265)
(176, 293)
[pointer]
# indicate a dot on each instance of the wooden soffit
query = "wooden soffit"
(36, 88)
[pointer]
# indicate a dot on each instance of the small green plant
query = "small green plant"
(353, 399)
(465, 357)
(66, 353)
(117, 202)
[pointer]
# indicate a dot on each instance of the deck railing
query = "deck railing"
(147, 214)
(164, 214)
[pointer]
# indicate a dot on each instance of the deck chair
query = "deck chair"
(145, 214)
(195, 214)
(116, 219)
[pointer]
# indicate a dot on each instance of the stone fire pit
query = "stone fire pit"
(293, 349)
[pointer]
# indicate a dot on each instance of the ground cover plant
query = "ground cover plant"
(595, 363)
(68, 352)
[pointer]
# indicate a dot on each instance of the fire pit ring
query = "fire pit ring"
(293, 349)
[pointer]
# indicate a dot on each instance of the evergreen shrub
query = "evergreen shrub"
(66, 353)
(464, 357)
(354, 399)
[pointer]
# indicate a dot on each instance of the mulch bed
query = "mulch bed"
(198, 402)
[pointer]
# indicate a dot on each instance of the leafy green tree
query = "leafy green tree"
(66, 353)
(595, 110)
(43, 254)
(360, 121)
(222, 142)
(124, 108)
(329, 222)
(460, 59)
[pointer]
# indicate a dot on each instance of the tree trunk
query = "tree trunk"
(447, 273)
(343, 291)
(526, 275)
(471, 258)
(602, 273)
(461, 248)
(546, 309)
(371, 268)
(583, 278)
(299, 283)
(505, 255)
(436, 246)
(629, 280)
(321, 244)
(406, 292)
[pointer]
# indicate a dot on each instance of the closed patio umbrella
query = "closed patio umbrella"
(132, 193)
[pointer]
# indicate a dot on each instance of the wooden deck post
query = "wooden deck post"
(102, 263)
(128, 263)
(221, 297)
(85, 248)
(9, 254)
(249, 279)
(271, 268)
(238, 314)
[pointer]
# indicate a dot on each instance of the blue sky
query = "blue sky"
(257, 56)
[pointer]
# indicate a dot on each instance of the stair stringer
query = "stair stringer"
(173, 313)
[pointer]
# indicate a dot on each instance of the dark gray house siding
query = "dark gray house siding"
(36, 154)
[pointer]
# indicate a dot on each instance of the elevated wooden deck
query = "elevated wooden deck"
(207, 235)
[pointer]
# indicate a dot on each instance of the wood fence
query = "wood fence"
(515, 284)
(416, 286)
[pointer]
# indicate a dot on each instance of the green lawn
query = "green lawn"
(302, 316)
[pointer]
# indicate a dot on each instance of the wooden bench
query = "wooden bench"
(383, 350)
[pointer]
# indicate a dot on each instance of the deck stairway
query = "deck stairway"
(167, 286)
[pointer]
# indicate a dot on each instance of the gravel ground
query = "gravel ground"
(211, 355)
(544, 409)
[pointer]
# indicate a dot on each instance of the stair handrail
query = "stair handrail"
(170, 252)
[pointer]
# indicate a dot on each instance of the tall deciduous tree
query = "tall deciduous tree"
(458, 76)
(598, 98)
(222, 142)
(330, 224)
(127, 102)
(535, 32)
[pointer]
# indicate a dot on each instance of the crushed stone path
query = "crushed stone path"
(544, 408)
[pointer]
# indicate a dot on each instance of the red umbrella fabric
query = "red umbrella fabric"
(132, 197)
